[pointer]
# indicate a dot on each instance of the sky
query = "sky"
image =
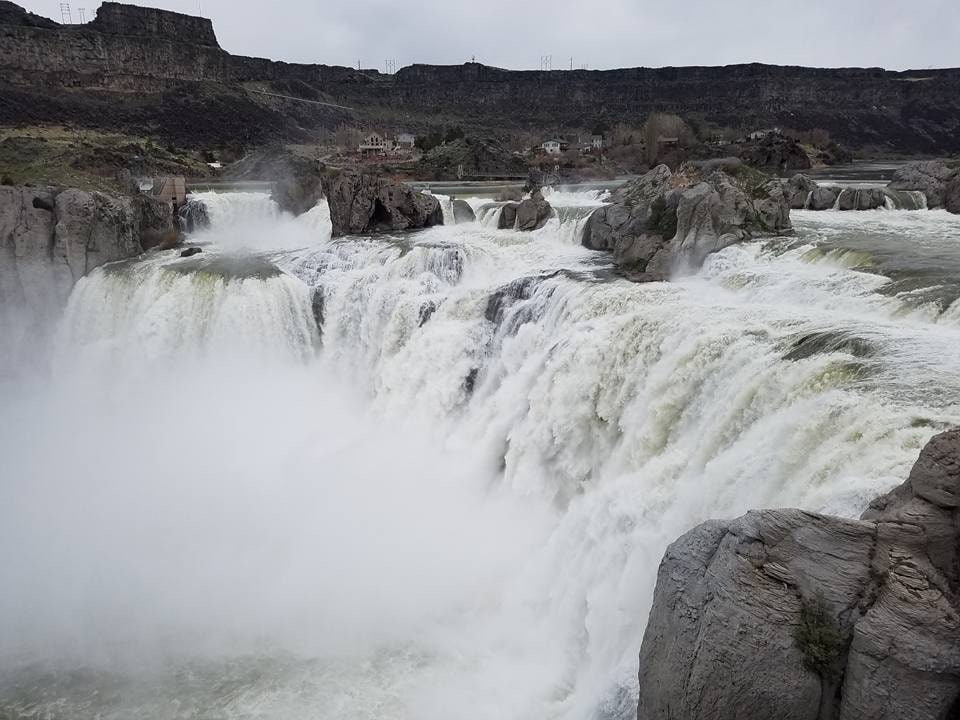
(599, 35)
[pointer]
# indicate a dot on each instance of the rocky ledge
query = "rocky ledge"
(662, 221)
(789, 615)
(924, 184)
(50, 237)
(365, 204)
(935, 179)
(531, 213)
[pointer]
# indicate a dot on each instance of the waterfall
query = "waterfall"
(142, 313)
(446, 205)
(381, 475)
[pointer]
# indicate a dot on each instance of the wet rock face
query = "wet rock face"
(193, 216)
(665, 221)
(788, 614)
(462, 212)
(51, 237)
(798, 190)
(362, 204)
(533, 213)
(931, 177)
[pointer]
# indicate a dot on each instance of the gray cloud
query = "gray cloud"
(616, 33)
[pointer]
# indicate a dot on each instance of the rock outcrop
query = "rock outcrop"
(51, 237)
(462, 212)
(799, 187)
(805, 193)
(533, 212)
(193, 216)
(775, 151)
(364, 204)
(931, 177)
(788, 614)
(665, 221)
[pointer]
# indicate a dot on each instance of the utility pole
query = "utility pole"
(571, 62)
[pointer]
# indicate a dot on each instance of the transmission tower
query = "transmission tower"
(546, 62)
(390, 67)
(82, 13)
(65, 17)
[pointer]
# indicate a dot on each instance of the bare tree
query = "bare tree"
(662, 127)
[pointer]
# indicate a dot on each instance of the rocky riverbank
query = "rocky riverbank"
(784, 614)
(665, 221)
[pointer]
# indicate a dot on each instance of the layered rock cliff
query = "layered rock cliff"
(789, 615)
(190, 90)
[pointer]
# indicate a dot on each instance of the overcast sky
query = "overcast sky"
(896, 34)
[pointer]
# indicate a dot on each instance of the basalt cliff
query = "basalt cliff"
(785, 614)
(165, 74)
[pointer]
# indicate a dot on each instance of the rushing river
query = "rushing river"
(432, 475)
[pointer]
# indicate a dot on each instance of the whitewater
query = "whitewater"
(432, 475)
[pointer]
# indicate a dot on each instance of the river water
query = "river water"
(432, 475)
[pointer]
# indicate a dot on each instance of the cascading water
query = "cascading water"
(452, 496)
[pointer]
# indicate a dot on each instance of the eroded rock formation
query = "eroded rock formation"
(51, 237)
(788, 614)
(665, 221)
(363, 204)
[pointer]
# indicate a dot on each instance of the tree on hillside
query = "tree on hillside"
(661, 126)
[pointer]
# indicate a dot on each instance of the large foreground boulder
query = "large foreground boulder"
(663, 221)
(931, 177)
(784, 614)
(365, 204)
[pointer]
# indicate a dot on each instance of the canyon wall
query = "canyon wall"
(52, 72)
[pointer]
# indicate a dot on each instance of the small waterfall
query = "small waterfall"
(446, 205)
(905, 200)
(569, 222)
(138, 313)
(488, 215)
(836, 203)
(235, 209)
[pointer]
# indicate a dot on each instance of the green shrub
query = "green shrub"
(818, 638)
(662, 220)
